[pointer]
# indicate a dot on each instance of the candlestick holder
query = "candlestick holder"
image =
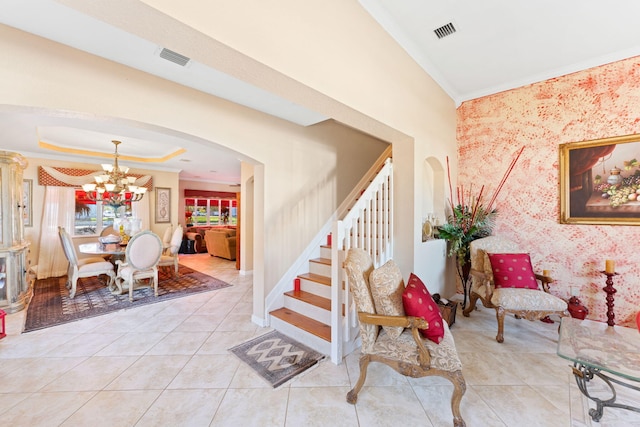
(610, 290)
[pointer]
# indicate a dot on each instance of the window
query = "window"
(92, 217)
(211, 211)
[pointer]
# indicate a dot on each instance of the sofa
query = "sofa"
(199, 245)
(221, 242)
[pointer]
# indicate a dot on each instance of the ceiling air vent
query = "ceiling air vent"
(445, 30)
(174, 57)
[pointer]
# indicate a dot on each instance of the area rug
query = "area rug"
(51, 305)
(276, 357)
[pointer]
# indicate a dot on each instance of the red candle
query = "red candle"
(296, 284)
(329, 239)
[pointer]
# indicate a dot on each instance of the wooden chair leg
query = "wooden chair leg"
(352, 396)
(473, 298)
(459, 388)
(500, 313)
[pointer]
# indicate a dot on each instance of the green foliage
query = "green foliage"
(465, 225)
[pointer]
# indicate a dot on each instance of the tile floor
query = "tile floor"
(167, 364)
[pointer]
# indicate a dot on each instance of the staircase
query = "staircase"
(317, 314)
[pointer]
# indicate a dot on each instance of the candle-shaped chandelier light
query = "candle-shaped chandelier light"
(114, 185)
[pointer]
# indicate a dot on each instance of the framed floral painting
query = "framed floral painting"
(600, 181)
(163, 205)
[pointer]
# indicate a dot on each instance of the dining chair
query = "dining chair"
(142, 257)
(166, 238)
(170, 256)
(85, 267)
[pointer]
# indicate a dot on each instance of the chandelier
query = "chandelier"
(113, 186)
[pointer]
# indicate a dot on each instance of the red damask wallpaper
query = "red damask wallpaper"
(596, 103)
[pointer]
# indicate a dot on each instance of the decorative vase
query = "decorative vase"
(576, 309)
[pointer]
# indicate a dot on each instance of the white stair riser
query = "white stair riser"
(310, 340)
(316, 313)
(315, 288)
(321, 269)
(325, 252)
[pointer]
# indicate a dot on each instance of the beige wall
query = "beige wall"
(302, 178)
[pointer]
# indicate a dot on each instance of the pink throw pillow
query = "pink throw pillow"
(513, 271)
(418, 302)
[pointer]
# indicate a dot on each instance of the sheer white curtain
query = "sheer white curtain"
(59, 210)
(141, 210)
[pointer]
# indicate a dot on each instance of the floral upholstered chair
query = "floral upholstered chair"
(531, 301)
(399, 343)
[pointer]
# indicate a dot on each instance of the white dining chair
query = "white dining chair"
(85, 267)
(170, 257)
(142, 257)
(166, 238)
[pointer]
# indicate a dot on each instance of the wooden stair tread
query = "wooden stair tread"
(311, 298)
(325, 261)
(323, 280)
(303, 322)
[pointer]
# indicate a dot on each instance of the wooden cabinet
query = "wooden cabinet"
(14, 249)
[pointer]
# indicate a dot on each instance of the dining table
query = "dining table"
(117, 252)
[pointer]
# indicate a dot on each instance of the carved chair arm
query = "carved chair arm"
(414, 323)
(402, 321)
(545, 280)
(486, 280)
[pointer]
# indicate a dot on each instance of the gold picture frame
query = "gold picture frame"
(163, 205)
(600, 181)
(27, 198)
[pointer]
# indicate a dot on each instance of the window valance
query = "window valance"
(205, 194)
(71, 177)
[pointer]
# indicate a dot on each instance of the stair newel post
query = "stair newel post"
(337, 299)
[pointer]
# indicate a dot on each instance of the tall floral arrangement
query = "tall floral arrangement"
(470, 218)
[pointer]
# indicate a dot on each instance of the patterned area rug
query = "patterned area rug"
(276, 357)
(51, 305)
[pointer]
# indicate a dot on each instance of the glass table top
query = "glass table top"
(613, 349)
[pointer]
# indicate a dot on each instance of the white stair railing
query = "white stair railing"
(367, 225)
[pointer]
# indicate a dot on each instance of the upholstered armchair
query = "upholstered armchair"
(396, 340)
(532, 303)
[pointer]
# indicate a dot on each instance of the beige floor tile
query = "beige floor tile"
(522, 406)
(320, 406)
(324, 374)
(200, 323)
(37, 373)
(45, 409)
(94, 373)
(252, 408)
(113, 409)
(390, 406)
(183, 408)
(132, 344)
(86, 344)
(206, 371)
(186, 343)
(221, 342)
(149, 373)
(436, 401)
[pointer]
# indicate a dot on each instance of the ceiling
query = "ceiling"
(497, 45)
